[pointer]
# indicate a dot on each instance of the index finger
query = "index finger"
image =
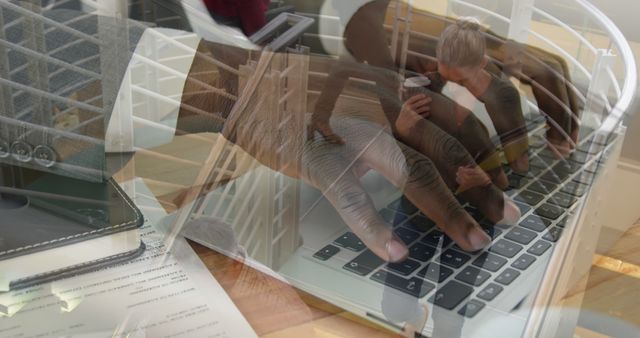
(505, 111)
(419, 179)
(326, 168)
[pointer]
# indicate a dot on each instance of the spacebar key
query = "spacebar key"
(364, 263)
(450, 295)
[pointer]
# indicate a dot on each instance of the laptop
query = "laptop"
(514, 283)
(517, 285)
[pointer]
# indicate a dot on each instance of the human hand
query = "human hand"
(462, 124)
(550, 81)
(419, 104)
(330, 168)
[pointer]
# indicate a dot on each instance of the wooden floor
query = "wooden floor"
(613, 284)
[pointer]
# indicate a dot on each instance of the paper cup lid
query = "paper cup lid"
(417, 81)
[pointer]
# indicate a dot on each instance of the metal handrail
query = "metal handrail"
(630, 83)
(53, 23)
(299, 24)
(564, 53)
(566, 27)
(625, 93)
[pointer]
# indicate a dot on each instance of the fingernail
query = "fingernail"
(511, 213)
(397, 251)
(478, 239)
(522, 163)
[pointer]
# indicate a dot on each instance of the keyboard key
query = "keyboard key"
(472, 308)
(422, 252)
(473, 276)
(450, 295)
(594, 167)
(552, 177)
(453, 258)
(489, 261)
(474, 213)
(435, 272)
(540, 162)
(575, 188)
(561, 223)
(535, 223)
(523, 207)
(393, 217)
(549, 211)
(539, 247)
(529, 197)
(578, 157)
(507, 276)
(492, 231)
(413, 286)
(326, 252)
(350, 241)
(490, 292)
(565, 169)
(517, 181)
(434, 237)
(531, 173)
(548, 154)
(403, 205)
(364, 263)
(404, 268)
(562, 200)
(505, 248)
(523, 262)
(488, 228)
(419, 223)
(553, 235)
(520, 235)
(542, 187)
(585, 133)
(406, 235)
(584, 178)
(534, 172)
(589, 148)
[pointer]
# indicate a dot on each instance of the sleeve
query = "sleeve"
(437, 82)
(502, 101)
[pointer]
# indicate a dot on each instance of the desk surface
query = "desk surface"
(276, 309)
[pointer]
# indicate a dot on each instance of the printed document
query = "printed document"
(166, 292)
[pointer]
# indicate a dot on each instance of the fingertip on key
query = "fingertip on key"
(478, 239)
(521, 164)
(511, 213)
(396, 250)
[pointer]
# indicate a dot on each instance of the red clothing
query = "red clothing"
(249, 12)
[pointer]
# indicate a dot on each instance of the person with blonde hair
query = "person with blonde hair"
(462, 59)
(366, 40)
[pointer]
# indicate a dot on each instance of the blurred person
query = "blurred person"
(461, 59)
(366, 40)
(248, 15)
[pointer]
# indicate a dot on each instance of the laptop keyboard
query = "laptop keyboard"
(438, 268)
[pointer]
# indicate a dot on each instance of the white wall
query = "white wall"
(624, 13)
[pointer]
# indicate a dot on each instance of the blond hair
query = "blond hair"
(461, 44)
